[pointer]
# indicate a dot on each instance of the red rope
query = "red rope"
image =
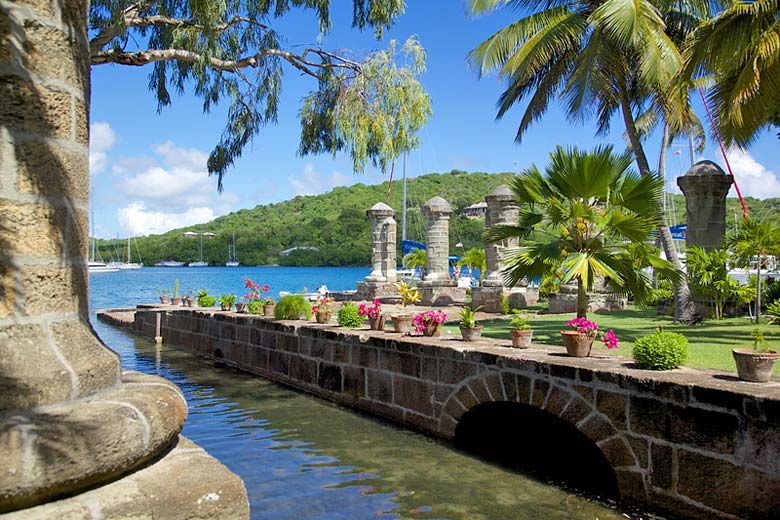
(389, 186)
(723, 152)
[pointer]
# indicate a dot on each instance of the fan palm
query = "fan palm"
(583, 218)
(741, 49)
(603, 57)
(750, 244)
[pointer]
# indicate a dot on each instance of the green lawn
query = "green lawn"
(711, 342)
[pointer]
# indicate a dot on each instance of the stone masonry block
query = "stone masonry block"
(557, 400)
(704, 429)
(494, 386)
(577, 410)
(617, 451)
(34, 109)
(354, 381)
(96, 366)
(539, 393)
(380, 386)
(716, 483)
(51, 52)
(453, 372)
(662, 467)
(279, 362)
(48, 169)
(413, 394)
(329, 377)
(53, 289)
(613, 406)
(480, 391)
(597, 428)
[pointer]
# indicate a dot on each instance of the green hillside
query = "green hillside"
(334, 222)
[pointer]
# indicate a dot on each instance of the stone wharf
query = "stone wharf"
(687, 443)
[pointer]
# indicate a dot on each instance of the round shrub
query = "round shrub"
(661, 351)
(348, 316)
(207, 301)
(255, 307)
(292, 307)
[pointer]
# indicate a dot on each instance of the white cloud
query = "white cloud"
(101, 139)
(137, 220)
(169, 191)
(753, 178)
(313, 183)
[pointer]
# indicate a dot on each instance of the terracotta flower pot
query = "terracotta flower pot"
(377, 323)
(578, 344)
(225, 306)
(165, 300)
(268, 310)
(521, 338)
(242, 307)
(322, 317)
(432, 330)
(471, 333)
(402, 323)
(754, 366)
(175, 301)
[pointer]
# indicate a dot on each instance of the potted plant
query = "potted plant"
(226, 301)
(269, 306)
(376, 321)
(579, 341)
(323, 308)
(164, 298)
(402, 323)
(242, 306)
(755, 364)
(188, 300)
(521, 331)
(469, 327)
(205, 299)
(428, 323)
(175, 300)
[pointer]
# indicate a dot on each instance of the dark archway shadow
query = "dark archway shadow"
(537, 443)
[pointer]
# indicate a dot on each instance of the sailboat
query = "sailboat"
(129, 264)
(97, 265)
(232, 257)
(200, 263)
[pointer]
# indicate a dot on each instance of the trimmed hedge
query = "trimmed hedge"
(661, 351)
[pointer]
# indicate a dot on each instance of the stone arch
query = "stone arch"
(557, 399)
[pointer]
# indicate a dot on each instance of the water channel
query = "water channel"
(305, 458)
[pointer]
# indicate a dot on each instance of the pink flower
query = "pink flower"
(266, 288)
(610, 340)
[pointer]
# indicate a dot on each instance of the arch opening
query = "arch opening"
(534, 442)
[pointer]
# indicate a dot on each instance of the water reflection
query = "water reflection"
(304, 458)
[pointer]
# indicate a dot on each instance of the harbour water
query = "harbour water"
(304, 458)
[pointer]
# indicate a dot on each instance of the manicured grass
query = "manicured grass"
(711, 342)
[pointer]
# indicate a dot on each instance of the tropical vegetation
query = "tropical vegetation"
(662, 350)
(588, 216)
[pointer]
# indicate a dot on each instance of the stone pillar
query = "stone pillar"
(436, 213)
(502, 210)
(705, 187)
(70, 421)
(383, 238)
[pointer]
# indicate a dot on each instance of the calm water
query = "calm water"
(304, 458)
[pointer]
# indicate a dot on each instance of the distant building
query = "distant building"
(190, 234)
(478, 210)
(287, 252)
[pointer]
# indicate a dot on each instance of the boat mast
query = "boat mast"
(403, 212)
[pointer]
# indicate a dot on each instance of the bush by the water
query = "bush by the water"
(348, 316)
(661, 351)
(206, 300)
(292, 307)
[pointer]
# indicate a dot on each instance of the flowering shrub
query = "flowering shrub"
(371, 311)
(255, 290)
(424, 318)
(584, 326)
(323, 304)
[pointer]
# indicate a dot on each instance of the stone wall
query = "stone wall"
(688, 443)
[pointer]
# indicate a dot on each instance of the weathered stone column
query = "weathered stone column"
(71, 423)
(436, 213)
(705, 187)
(502, 210)
(383, 249)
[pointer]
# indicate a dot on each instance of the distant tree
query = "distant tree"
(229, 51)
(581, 218)
(475, 258)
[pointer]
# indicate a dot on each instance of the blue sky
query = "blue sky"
(148, 170)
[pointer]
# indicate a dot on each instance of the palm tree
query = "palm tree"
(584, 217)
(740, 49)
(475, 258)
(750, 244)
(416, 258)
(603, 57)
